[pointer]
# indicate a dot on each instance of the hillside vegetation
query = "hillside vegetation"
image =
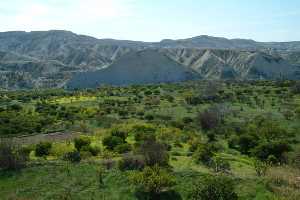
(220, 140)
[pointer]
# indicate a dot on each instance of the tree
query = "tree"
(214, 188)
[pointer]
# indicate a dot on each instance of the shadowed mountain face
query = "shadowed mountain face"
(54, 58)
(142, 67)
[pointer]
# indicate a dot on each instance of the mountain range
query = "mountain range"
(47, 59)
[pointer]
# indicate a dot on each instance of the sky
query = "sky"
(154, 20)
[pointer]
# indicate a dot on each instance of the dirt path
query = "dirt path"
(51, 137)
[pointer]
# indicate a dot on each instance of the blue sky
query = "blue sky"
(153, 20)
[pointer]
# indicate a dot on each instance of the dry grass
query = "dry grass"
(284, 181)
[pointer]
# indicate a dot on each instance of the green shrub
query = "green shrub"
(143, 136)
(205, 153)
(43, 149)
(73, 157)
(260, 167)
(266, 149)
(81, 142)
(214, 188)
(296, 88)
(123, 113)
(272, 160)
(94, 150)
(11, 157)
(194, 144)
(149, 117)
(123, 148)
(108, 163)
(131, 162)
(220, 165)
(119, 133)
(187, 120)
(154, 153)
(210, 119)
(140, 113)
(152, 182)
(111, 142)
(244, 143)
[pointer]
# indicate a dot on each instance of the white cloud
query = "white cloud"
(65, 14)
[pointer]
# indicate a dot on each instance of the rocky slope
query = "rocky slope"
(52, 58)
(228, 64)
(142, 67)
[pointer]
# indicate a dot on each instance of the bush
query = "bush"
(142, 136)
(296, 88)
(193, 100)
(214, 188)
(220, 165)
(43, 149)
(194, 145)
(205, 153)
(123, 148)
(260, 167)
(149, 117)
(152, 182)
(245, 143)
(123, 113)
(12, 158)
(211, 137)
(131, 162)
(108, 163)
(85, 154)
(73, 157)
(111, 142)
(209, 119)
(272, 160)
(187, 120)
(82, 142)
(143, 132)
(154, 153)
(119, 133)
(140, 113)
(277, 149)
(93, 150)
